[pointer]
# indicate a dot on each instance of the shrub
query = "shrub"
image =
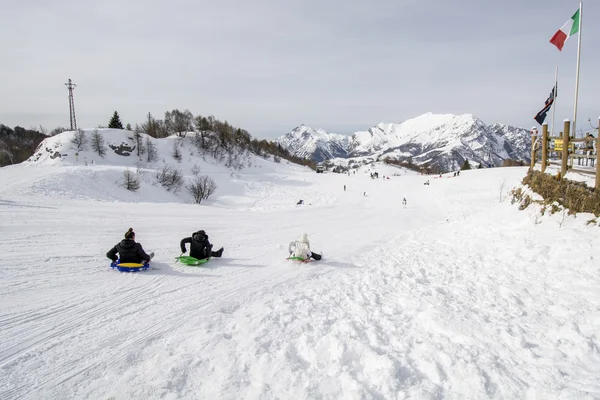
(170, 178)
(131, 181)
(201, 187)
(576, 196)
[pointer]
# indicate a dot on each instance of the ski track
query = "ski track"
(394, 311)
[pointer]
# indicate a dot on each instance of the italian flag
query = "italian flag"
(566, 31)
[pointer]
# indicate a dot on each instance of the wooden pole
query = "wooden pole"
(544, 147)
(598, 157)
(565, 152)
(533, 139)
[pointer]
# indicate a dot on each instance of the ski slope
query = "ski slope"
(458, 295)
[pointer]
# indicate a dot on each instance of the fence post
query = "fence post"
(598, 157)
(533, 152)
(544, 146)
(565, 152)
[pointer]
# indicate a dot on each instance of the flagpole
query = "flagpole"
(577, 73)
(554, 101)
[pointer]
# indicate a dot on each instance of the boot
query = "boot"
(218, 253)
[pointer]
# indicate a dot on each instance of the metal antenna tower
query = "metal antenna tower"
(71, 86)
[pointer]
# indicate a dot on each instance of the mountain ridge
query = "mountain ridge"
(444, 141)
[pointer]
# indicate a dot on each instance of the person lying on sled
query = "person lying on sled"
(301, 248)
(129, 251)
(200, 247)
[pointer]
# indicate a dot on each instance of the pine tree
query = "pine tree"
(466, 165)
(115, 122)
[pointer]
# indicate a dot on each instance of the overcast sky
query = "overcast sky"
(271, 65)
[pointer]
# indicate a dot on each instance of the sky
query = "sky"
(269, 66)
(460, 295)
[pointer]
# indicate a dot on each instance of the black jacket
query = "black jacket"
(129, 252)
(200, 247)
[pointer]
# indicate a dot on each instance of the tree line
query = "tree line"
(218, 138)
(18, 144)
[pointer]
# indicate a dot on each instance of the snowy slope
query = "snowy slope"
(63, 172)
(459, 295)
(438, 140)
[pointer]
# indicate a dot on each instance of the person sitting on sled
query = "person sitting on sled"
(301, 248)
(129, 251)
(200, 247)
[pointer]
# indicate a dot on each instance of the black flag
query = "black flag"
(541, 116)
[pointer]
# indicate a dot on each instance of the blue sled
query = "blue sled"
(129, 267)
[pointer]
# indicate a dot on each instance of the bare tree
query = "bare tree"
(58, 130)
(79, 140)
(150, 127)
(131, 181)
(201, 187)
(203, 126)
(170, 178)
(98, 143)
(137, 137)
(152, 153)
(179, 122)
(176, 152)
(5, 153)
(195, 170)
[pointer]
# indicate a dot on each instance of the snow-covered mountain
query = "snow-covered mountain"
(444, 141)
(315, 144)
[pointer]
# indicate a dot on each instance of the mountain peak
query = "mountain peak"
(445, 140)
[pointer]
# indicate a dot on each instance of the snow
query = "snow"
(459, 295)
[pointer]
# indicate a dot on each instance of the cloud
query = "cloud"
(269, 66)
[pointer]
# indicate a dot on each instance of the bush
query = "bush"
(176, 152)
(131, 181)
(170, 178)
(576, 196)
(201, 187)
(195, 170)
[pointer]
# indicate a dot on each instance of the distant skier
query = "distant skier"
(300, 202)
(200, 247)
(301, 248)
(344, 188)
(129, 251)
(404, 202)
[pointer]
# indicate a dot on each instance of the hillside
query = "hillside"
(62, 165)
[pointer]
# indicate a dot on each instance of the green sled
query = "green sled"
(191, 261)
(298, 259)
